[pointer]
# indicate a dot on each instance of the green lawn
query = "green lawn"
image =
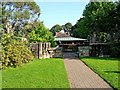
(48, 73)
(107, 68)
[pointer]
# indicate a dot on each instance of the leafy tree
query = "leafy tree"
(96, 15)
(41, 34)
(15, 21)
(104, 19)
(80, 30)
(56, 28)
(68, 26)
(15, 15)
(115, 21)
(30, 27)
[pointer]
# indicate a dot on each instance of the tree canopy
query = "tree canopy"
(101, 21)
(68, 26)
(16, 15)
(41, 34)
(79, 29)
(98, 17)
(56, 28)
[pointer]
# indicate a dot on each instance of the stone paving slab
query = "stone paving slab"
(81, 76)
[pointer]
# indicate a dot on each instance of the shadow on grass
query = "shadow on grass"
(118, 72)
(101, 58)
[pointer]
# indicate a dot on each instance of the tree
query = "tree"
(68, 26)
(56, 28)
(14, 19)
(96, 18)
(96, 15)
(103, 19)
(80, 30)
(41, 34)
(15, 15)
(30, 27)
(115, 22)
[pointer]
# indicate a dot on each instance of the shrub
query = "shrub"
(14, 52)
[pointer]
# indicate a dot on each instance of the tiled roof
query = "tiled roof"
(61, 34)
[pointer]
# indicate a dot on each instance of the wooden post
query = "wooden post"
(46, 50)
(48, 55)
(40, 50)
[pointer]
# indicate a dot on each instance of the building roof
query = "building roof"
(69, 39)
(61, 34)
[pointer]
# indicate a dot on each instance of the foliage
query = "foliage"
(98, 17)
(80, 30)
(46, 73)
(115, 49)
(103, 19)
(68, 27)
(107, 68)
(56, 28)
(16, 15)
(41, 34)
(30, 27)
(14, 52)
(102, 37)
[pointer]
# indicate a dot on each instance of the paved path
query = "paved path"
(80, 76)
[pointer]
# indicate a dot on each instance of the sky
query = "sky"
(53, 13)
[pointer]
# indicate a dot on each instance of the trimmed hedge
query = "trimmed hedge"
(14, 51)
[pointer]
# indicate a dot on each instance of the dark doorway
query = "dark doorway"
(69, 48)
(71, 55)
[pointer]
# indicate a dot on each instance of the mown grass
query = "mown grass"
(47, 73)
(107, 68)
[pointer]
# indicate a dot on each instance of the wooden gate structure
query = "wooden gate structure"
(40, 50)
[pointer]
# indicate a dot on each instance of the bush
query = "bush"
(14, 52)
